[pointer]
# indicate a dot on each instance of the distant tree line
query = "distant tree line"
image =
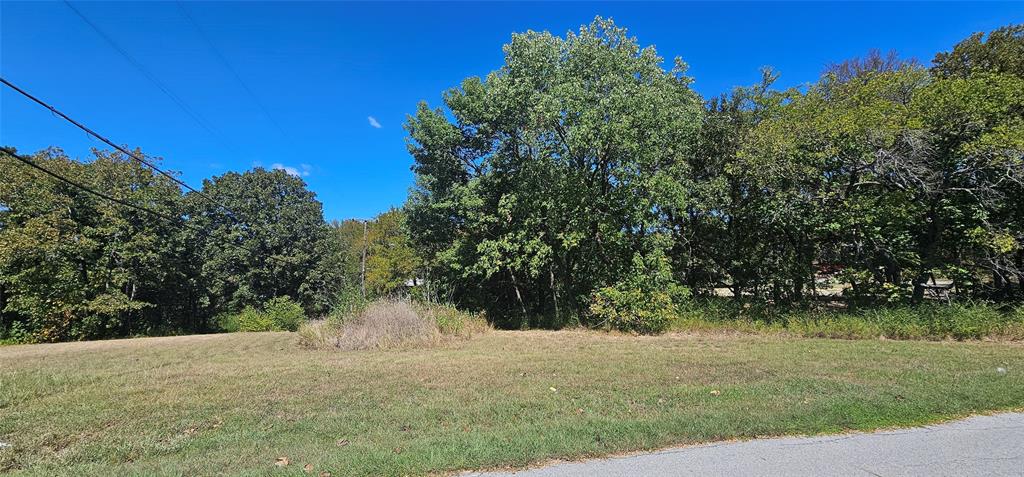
(76, 266)
(582, 181)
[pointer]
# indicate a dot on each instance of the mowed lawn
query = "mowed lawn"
(234, 404)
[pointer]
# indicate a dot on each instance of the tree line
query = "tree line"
(74, 265)
(583, 182)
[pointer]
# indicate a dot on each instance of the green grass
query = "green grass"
(234, 403)
(959, 321)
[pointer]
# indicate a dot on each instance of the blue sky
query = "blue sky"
(323, 70)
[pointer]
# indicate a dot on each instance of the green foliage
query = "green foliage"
(582, 182)
(391, 262)
(74, 266)
(632, 310)
(1001, 51)
(551, 173)
(959, 321)
(452, 321)
(643, 302)
(277, 314)
(285, 313)
(227, 322)
(252, 319)
(287, 248)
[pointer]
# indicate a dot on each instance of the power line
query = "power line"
(88, 189)
(227, 65)
(229, 213)
(110, 143)
(170, 219)
(152, 78)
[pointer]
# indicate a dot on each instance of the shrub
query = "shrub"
(226, 322)
(347, 301)
(632, 310)
(454, 322)
(928, 321)
(251, 319)
(392, 324)
(285, 313)
(387, 324)
(642, 302)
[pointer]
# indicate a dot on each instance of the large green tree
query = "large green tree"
(75, 266)
(552, 173)
(261, 235)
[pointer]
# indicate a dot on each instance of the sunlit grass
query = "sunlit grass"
(235, 403)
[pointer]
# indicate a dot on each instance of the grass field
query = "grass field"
(237, 403)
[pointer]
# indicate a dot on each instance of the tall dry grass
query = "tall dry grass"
(392, 323)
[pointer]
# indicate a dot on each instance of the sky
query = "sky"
(322, 89)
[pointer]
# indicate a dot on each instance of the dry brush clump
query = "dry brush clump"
(392, 323)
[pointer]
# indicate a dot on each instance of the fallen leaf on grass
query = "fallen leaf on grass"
(325, 474)
(308, 468)
(281, 461)
(341, 442)
(715, 392)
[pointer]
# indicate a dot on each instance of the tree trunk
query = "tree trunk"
(554, 293)
(519, 296)
(362, 266)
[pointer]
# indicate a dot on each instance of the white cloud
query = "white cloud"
(306, 169)
(373, 122)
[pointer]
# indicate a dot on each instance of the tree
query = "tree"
(74, 266)
(1001, 51)
(554, 172)
(350, 238)
(391, 260)
(275, 243)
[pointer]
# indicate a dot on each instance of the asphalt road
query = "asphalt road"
(981, 445)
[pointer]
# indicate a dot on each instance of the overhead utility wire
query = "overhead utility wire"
(170, 219)
(152, 78)
(110, 143)
(34, 165)
(227, 65)
(229, 213)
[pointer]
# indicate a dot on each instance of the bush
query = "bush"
(226, 322)
(632, 310)
(392, 324)
(454, 322)
(644, 301)
(278, 314)
(959, 321)
(285, 313)
(251, 319)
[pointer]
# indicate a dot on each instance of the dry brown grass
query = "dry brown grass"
(392, 323)
(232, 404)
